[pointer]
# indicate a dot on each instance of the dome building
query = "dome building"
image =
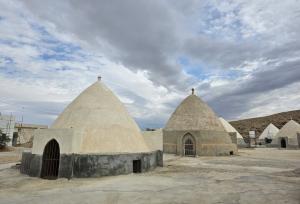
(231, 130)
(268, 134)
(194, 129)
(94, 136)
(288, 136)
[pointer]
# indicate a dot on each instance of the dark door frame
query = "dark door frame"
(50, 161)
(283, 143)
(189, 145)
(137, 166)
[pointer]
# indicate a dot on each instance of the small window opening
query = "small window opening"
(231, 152)
(137, 166)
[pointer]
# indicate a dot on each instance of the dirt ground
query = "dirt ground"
(12, 155)
(255, 176)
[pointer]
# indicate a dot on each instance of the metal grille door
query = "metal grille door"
(189, 148)
(50, 164)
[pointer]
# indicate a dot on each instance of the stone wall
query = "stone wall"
(92, 165)
(31, 164)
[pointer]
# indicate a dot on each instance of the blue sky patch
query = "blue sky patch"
(196, 69)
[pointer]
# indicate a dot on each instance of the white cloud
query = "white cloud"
(50, 51)
(281, 100)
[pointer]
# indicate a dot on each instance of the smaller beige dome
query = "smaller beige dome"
(289, 130)
(194, 114)
(269, 132)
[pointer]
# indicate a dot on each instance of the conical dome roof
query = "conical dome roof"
(194, 114)
(103, 121)
(269, 132)
(290, 130)
(230, 128)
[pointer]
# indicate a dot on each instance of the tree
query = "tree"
(3, 140)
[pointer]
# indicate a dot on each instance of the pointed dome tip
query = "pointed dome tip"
(193, 91)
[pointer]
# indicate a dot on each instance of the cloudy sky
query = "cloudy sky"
(241, 56)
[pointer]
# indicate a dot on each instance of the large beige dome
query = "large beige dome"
(103, 122)
(194, 114)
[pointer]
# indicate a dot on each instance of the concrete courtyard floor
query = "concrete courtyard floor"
(255, 176)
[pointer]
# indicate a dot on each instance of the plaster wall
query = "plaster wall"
(291, 143)
(233, 137)
(208, 143)
(26, 132)
(154, 139)
(69, 140)
(25, 135)
(241, 143)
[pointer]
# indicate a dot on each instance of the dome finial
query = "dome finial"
(193, 91)
(99, 78)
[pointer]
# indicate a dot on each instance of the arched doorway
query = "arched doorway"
(50, 163)
(189, 146)
(283, 143)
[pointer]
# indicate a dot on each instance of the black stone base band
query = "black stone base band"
(88, 165)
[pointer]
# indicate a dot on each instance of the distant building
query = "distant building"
(194, 129)
(7, 125)
(23, 133)
(19, 133)
(288, 136)
(268, 134)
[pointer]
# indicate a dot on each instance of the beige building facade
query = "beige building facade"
(23, 134)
